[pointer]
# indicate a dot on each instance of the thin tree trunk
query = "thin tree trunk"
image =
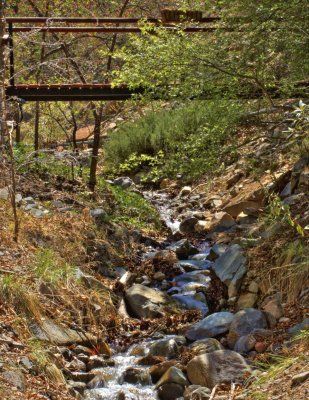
(74, 126)
(36, 128)
(3, 127)
(38, 80)
(95, 150)
(18, 134)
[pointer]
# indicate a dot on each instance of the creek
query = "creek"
(183, 288)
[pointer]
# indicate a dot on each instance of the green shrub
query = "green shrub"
(129, 208)
(191, 139)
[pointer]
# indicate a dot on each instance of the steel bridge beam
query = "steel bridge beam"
(48, 93)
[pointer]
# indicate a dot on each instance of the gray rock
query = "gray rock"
(196, 301)
(253, 287)
(37, 213)
(287, 191)
(231, 268)
(26, 363)
(173, 375)
(188, 224)
(170, 391)
(98, 212)
(221, 366)
(4, 193)
(196, 392)
(123, 182)
(158, 370)
(18, 198)
(75, 376)
(76, 365)
(50, 331)
(98, 382)
(190, 277)
(235, 209)
(221, 222)
(16, 379)
(211, 326)
(216, 251)
(194, 265)
(28, 200)
(296, 329)
(145, 302)
(164, 348)
(97, 362)
(300, 378)
(135, 375)
(246, 300)
(294, 199)
(205, 346)
(80, 387)
(199, 256)
(245, 344)
(272, 305)
(245, 322)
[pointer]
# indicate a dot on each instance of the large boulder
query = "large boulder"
(211, 326)
(144, 302)
(245, 322)
(235, 209)
(195, 301)
(164, 347)
(273, 306)
(205, 346)
(48, 330)
(230, 267)
(173, 375)
(183, 249)
(124, 182)
(221, 366)
(221, 222)
(188, 224)
(135, 375)
(170, 391)
(158, 370)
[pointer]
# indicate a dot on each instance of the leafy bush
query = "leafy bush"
(191, 139)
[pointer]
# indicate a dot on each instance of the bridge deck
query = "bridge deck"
(71, 92)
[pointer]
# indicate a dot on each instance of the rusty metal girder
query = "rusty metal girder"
(96, 21)
(75, 92)
(100, 29)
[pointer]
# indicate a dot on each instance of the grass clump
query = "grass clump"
(292, 269)
(50, 268)
(18, 293)
(192, 139)
(129, 208)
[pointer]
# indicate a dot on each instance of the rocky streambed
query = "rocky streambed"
(216, 349)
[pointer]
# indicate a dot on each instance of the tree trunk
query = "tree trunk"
(36, 127)
(3, 127)
(38, 80)
(96, 145)
(18, 134)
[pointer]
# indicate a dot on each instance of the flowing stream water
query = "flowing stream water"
(116, 388)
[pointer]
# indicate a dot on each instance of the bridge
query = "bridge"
(82, 91)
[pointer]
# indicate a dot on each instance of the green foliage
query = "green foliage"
(300, 128)
(257, 46)
(51, 269)
(130, 208)
(277, 211)
(273, 367)
(191, 140)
